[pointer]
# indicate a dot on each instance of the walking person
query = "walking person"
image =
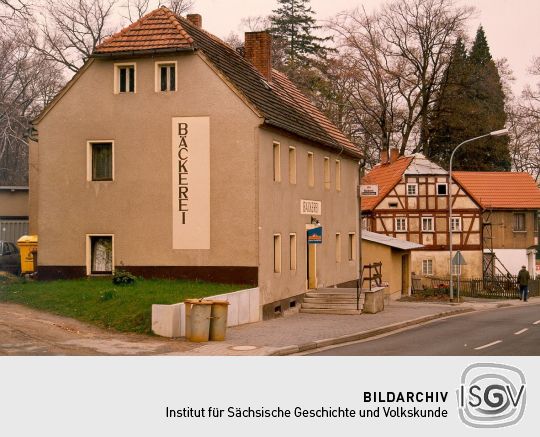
(523, 282)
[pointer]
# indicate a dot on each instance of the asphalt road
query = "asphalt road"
(505, 331)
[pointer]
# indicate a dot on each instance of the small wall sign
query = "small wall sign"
(310, 207)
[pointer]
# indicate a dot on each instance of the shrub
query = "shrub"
(122, 277)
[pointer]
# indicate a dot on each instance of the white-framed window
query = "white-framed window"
(277, 253)
(427, 224)
(338, 175)
(412, 189)
(401, 224)
(442, 189)
(100, 160)
(311, 169)
(292, 165)
(352, 246)
(292, 251)
(519, 222)
(326, 173)
(338, 247)
(125, 78)
(456, 270)
(455, 223)
(99, 254)
(166, 79)
(277, 162)
(427, 267)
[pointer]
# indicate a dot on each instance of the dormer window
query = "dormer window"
(165, 76)
(124, 78)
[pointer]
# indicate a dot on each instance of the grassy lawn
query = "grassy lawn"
(125, 308)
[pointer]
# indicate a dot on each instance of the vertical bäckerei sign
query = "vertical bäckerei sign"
(191, 182)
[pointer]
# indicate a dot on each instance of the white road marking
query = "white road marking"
(487, 345)
(521, 331)
(537, 322)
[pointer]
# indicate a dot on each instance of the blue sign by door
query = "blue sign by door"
(314, 236)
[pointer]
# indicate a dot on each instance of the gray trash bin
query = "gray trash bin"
(218, 320)
(198, 314)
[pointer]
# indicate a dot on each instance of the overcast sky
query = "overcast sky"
(512, 26)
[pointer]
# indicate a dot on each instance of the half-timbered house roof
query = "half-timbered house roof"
(500, 190)
(386, 176)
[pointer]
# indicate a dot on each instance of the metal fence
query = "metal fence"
(498, 287)
(12, 230)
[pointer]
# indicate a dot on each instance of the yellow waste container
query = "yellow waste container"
(198, 313)
(28, 246)
(218, 320)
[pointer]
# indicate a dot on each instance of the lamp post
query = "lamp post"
(496, 133)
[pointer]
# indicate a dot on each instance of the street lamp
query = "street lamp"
(496, 133)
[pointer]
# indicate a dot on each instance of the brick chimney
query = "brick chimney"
(195, 19)
(394, 155)
(384, 156)
(258, 51)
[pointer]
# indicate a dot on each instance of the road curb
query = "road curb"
(318, 344)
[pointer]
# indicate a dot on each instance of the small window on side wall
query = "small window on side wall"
(100, 161)
(124, 78)
(166, 76)
(442, 189)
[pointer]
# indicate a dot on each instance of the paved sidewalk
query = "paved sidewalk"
(295, 333)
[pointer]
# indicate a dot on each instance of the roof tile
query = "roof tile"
(500, 190)
(280, 103)
(386, 176)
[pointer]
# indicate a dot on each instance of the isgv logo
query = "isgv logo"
(491, 395)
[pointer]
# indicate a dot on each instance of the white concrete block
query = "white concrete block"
(243, 312)
(233, 315)
(254, 305)
(166, 320)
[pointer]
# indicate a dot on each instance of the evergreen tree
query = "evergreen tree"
(471, 103)
(292, 25)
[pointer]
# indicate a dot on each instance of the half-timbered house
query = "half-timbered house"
(409, 201)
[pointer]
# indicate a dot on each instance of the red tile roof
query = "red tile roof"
(280, 103)
(386, 176)
(158, 30)
(500, 190)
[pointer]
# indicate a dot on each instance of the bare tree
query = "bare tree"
(136, 9)
(524, 124)
(370, 89)
(27, 83)
(68, 32)
(179, 7)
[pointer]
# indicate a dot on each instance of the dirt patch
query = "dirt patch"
(25, 331)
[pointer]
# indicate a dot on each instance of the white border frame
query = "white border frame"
(407, 189)
(89, 254)
(89, 159)
(406, 224)
(157, 76)
(432, 223)
(116, 84)
(437, 184)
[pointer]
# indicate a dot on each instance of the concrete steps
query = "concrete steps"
(332, 301)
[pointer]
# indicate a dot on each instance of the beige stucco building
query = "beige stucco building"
(172, 155)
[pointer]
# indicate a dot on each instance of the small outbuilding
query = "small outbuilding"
(395, 256)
